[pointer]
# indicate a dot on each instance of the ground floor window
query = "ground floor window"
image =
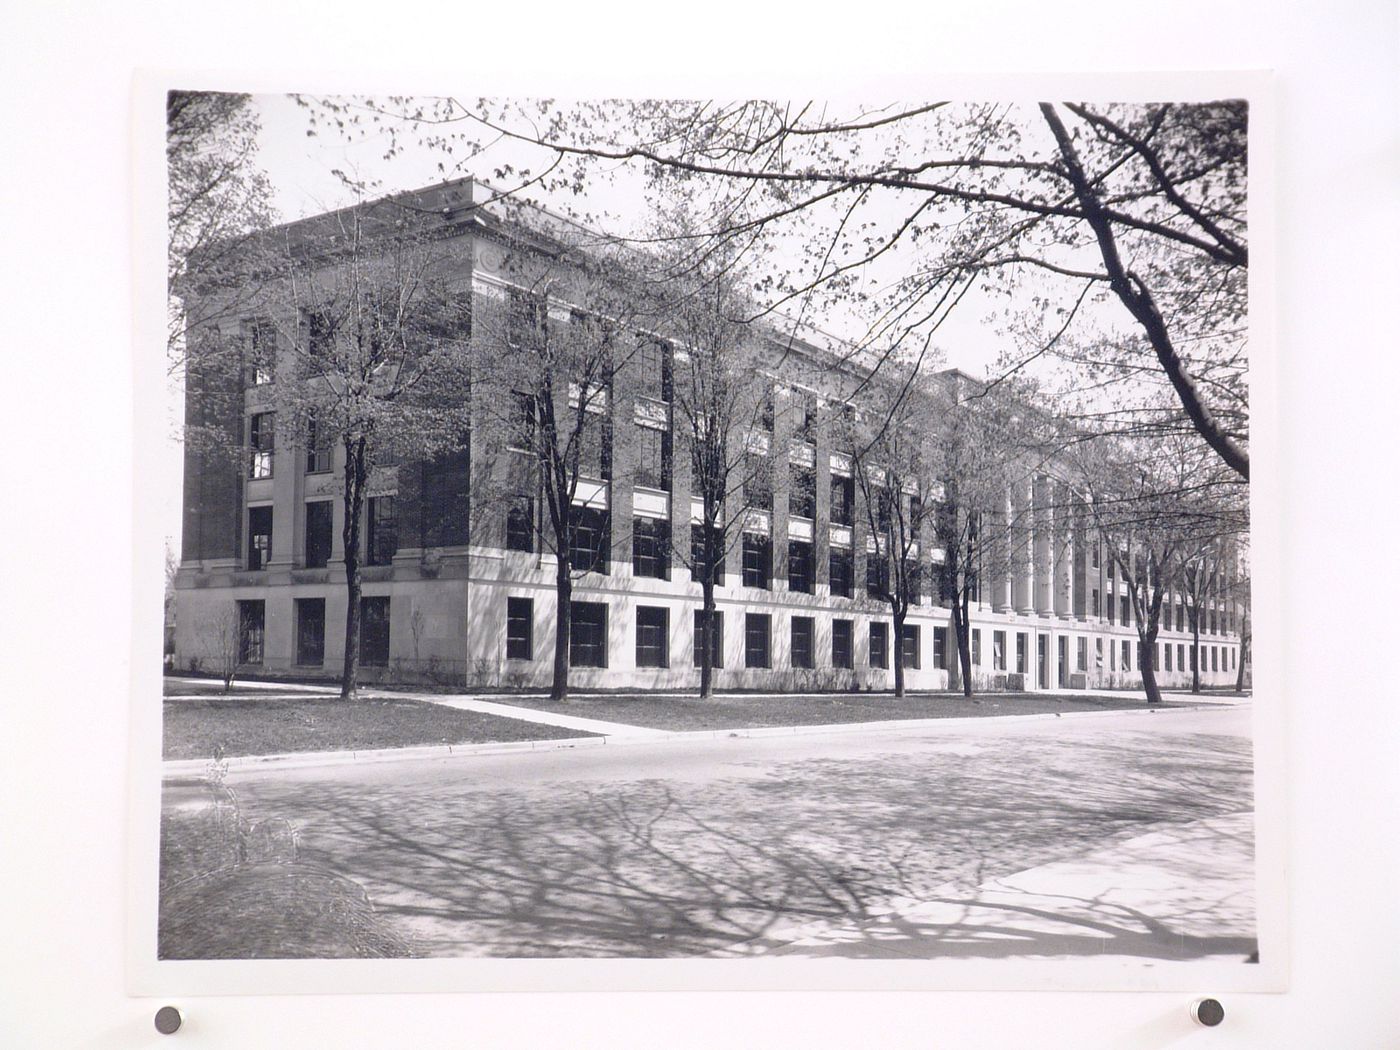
(879, 645)
(1021, 653)
(999, 650)
(588, 634)
(910, 648)
(842, 632)
(520, 628)
(1215, 657)
(940, 647)
(1083, 654)
(757, 628)
(374, 632)
(803, 631)
(311, 631)
(653, 632)
(976, 647)
(1156, 657)
(1181, 657)
(715, 637)
(1098, 653)
(1127, 659)
(1168, 654)
(251, 619)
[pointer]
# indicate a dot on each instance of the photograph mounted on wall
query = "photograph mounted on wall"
(656, 529)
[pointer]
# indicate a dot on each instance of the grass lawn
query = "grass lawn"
(263, 725)
(752, 712)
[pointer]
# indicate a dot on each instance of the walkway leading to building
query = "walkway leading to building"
(548, 718)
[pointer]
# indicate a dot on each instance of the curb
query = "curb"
(304, 759)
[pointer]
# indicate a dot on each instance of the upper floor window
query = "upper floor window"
(807, 418)
(800, 568)
(520, 525)
(843, 498)
(701, 558)
(593, 451)
(527, 320)
(319, 515)
(383, 534)
(840, 573)
(758, 485)
(320, 333)
(651, 548)
(260, 445)
(318, 447)
(262, 351)
(259, 537)
(802, 491)
(654, 458)
(589, 550)
(654, 371)
(758, 559)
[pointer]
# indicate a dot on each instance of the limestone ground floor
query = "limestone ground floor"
(487, 618)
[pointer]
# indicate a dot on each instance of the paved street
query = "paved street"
(1114, 834)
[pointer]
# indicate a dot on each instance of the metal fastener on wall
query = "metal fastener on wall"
(168, 1020)
(1207, 1012)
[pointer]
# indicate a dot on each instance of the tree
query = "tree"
(217, 199)
(545, 410)
(895, 471)
(980, 446)
(361, 354)
(1138, 205)
(719, 398)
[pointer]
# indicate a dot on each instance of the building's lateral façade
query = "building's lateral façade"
(455, 590)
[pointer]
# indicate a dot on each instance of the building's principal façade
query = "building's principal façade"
(262, 548)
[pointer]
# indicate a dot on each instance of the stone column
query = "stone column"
(1022, 582)
(1063, 557)
(1041, 521)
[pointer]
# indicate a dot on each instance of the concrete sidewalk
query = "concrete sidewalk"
(1179, 892)
(616, 730)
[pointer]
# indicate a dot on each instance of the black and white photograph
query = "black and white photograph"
(618, 526)
(664, 529)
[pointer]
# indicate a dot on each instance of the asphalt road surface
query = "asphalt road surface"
(684, 848)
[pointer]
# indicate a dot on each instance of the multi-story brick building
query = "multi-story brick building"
(452, 590)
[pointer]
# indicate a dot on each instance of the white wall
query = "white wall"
(68, 610)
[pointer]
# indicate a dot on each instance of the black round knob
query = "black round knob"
(1208, 1012)
(168, 1020)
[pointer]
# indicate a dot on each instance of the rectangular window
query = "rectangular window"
(260, 445)
(976, 634)
(757, 627)
(1168, 654)
(651, 548)
(999, 651)
(803, 642)
(877, 576)
(320, 333)
(910, 649)
(879, 644)
(1180, 616)
(520, 525)
(250, 631)
(1215, 657)
(382, 539)
(714, 638)
(520, 628)
(1020, 653)
(653, 458)
(262, 351)
(318, 533)
(1127, 659)
(841, 572)
(1180, 656)
(1097, 608)
(1094, 554)
(521, 433)
(940, 647)
(318, 448)
(589, 550)
(807, 418)
(1156, 657)
(758, 560)
(259, 537)
(800, 569)
(1098, 653)
(1083, 664)
(311, 631)
(1109, 605)
(588, 634)
(593, 452)
(374, 632)
(653, 633)
(758, 482)
(842, 635)
(700, 558)
(1124, 620)
(802, 491)
(913, 582)
(843, 498)
(654, 371)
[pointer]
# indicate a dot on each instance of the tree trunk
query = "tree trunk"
(962, 635)
(707, 616)
(355, 475)
(1146, 647)
(564, 590)
(897, 644)
(1196, 655)
(1239, 675)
